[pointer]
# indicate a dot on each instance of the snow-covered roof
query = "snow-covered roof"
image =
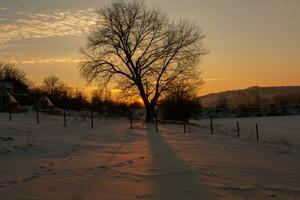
(45, 102)
(11, 99)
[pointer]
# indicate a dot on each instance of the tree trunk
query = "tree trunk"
(149, 113)
(149, 106)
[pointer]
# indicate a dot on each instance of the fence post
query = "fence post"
(184, 126)
(238, 128)
(37, 116)
(211, 126)
(257, 135)
(156, 124)
(92, 119)
(65, 122)
(10, 114)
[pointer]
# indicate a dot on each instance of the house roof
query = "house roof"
(11, 99)
(45, 102)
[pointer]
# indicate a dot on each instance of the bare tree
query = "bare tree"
(53, 87)
(11, 72)
(140, 51)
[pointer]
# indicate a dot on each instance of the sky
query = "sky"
(250, 42)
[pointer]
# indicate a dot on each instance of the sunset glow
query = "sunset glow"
(149, 99)
(250, 42)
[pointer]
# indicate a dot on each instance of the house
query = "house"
(12, 89)
(44, 103)
(10, 103)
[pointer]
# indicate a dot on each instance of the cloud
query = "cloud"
(51, 60)
(3, 8)
(9, 58)
(42, 25)
(215, 79)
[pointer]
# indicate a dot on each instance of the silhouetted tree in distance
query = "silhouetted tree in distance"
(75, 100)
(96, 101)
(53, 85)
(55, 89)
(10, 72)
(180, 102)
(141, 51)
(103, 103)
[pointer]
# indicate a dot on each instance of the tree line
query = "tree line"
(177, 104)
(59, 93)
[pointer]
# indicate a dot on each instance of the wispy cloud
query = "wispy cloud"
(52, 60)
(41, 25)
(3, 8)
(215, 79)
(71, 58)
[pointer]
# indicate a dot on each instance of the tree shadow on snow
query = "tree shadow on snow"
(172, 177)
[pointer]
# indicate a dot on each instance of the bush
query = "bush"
(178, 109)
(180, 102)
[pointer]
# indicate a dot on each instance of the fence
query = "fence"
(263, 129)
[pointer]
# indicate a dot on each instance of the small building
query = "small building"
(44, 103)
(12, 92)
(9, 102)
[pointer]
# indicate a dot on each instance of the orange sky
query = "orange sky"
(251, 42)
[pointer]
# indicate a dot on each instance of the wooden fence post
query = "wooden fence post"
(131, 122)
(37, 116)
(211, 126)
(257, 135)
(238, 128)
(92, 119)
(156, 124)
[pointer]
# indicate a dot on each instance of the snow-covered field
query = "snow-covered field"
(114, 162)
(271, 129)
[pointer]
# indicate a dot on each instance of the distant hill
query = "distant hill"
(253, 96)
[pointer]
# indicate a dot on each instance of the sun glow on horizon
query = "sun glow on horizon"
(248, 47)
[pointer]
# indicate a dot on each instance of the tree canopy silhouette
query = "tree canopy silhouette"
(55, 89)
(141, 51)
(180, 102)
(53, 85)
(11, 73)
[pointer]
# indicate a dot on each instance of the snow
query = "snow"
(284, 129)
(114, 162)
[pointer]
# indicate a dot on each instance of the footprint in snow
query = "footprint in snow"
(49, 170)
(118, 165)
(118, 177)
(130, 162)
(29, 178)
(104, 167)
